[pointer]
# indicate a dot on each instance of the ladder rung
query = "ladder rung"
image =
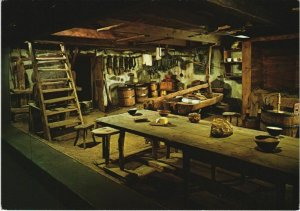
(52, 69)
(50, 58)
(63, 123)
(54, 80)
(49, 61)
(60, 99)
(56, 90)
(53, 83)
(62, 110)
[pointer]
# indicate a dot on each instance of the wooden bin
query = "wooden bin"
(141, 93)
(289, 122)
(126, 96)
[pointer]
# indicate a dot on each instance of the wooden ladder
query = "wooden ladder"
(57, 97)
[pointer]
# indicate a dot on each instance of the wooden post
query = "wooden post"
(207, 72)
(99, 83)
(246, 76)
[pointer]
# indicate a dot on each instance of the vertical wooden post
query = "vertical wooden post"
(207, 71)
(246, 76)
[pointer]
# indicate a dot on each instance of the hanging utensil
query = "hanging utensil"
(115, 65)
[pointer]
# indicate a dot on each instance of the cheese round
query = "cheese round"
(162, 120)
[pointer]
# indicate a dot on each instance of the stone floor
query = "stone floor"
(161, 179)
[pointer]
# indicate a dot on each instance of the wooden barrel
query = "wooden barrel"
(126, 96)
(289, 122)
(141, 93)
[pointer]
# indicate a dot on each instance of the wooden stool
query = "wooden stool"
(83, 128)
(231, 115)
(105, 133)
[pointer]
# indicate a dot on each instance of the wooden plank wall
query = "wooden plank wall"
(257, 67)
(275, 65)
(281, 67)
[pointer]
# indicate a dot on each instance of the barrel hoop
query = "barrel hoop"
(142, 95)
(127, 97)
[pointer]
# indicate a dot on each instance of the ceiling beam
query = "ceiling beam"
(110, 27)
(275, 38)
(86, 33)
(247, 9)
(158, 31)
(104, 44)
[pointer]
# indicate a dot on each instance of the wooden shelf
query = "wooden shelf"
(238, 62)
(21, 91)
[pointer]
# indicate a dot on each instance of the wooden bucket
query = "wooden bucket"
(126, 96)
(141, 93)
(289, 122)
(252, 123)
(154, 93)
(153, 86)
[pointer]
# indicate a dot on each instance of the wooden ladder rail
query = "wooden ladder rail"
(72, 84)
(42, 106)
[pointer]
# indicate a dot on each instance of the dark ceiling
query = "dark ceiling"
(36, 19)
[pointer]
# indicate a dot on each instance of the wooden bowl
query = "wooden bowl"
(266, 143)
(132, 111)
(194, 117)
(274, 131)
(164, 113)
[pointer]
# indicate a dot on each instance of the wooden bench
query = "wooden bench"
(84, 128)
(105, 133)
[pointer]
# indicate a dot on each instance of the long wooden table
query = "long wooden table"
(237, 152)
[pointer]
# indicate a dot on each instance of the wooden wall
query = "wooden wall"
(275, 65)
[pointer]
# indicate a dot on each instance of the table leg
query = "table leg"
(107, 149)
(186, 173)
(121, 149)
(103, 146)
(168, 151)
(155, 146)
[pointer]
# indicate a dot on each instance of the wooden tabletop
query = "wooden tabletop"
(237, 149)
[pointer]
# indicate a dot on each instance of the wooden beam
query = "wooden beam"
(86, 33)
(158, 31)
(248, 9)
(246, 75)
(163, 41)
(110, 27)
(131, 38)
(276, 37)
(154, 103)
(105, 44)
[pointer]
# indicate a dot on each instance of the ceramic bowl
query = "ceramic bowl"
(274, 131)
(132, 111)
(266, 143)
(194, 117)
(164, 113)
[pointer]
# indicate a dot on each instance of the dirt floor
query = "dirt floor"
(161, 179)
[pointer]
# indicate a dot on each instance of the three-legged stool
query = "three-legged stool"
(105, 133)
(84, 128)
(231, 115)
